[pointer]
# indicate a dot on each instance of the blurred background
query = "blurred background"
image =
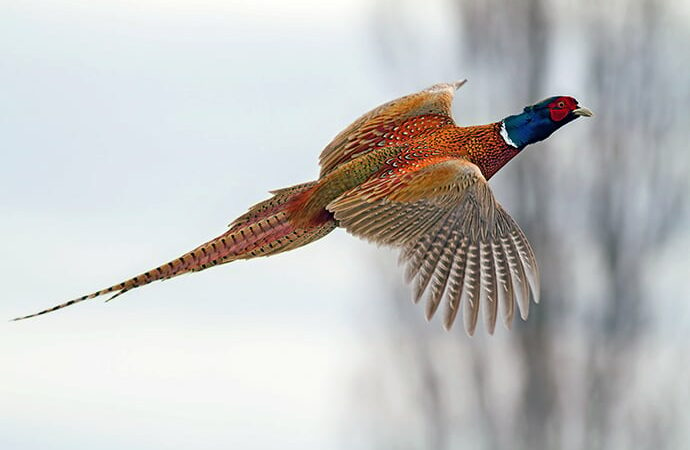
(130, 132)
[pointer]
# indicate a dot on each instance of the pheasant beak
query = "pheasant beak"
(582, 111)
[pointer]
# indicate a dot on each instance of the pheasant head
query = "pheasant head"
(539, 121)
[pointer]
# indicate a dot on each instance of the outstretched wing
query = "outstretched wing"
(393, 122)
(459, 245)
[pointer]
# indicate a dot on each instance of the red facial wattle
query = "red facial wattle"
(561, 107)
(558, 114)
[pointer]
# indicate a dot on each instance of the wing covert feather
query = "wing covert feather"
(392, 122)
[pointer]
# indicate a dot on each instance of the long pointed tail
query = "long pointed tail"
(266, 229)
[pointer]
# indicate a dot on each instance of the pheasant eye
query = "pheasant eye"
(561, 105)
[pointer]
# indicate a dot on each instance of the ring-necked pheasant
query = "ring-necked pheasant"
(404, 175)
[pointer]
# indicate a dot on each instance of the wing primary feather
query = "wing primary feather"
(504, 287)
(517, 277)
(414, 256)
(470, 290)
(487, 296)
(442, 265)
(455, 284)
(431, 261)
(529, 262)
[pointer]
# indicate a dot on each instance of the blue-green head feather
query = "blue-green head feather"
(539, 121)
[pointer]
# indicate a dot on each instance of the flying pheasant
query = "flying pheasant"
(405, 175)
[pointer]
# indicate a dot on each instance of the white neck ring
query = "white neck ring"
(504, 135)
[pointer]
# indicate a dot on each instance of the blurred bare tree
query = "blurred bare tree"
(597, 212)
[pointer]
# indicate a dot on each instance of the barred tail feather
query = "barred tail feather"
(266, 229)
